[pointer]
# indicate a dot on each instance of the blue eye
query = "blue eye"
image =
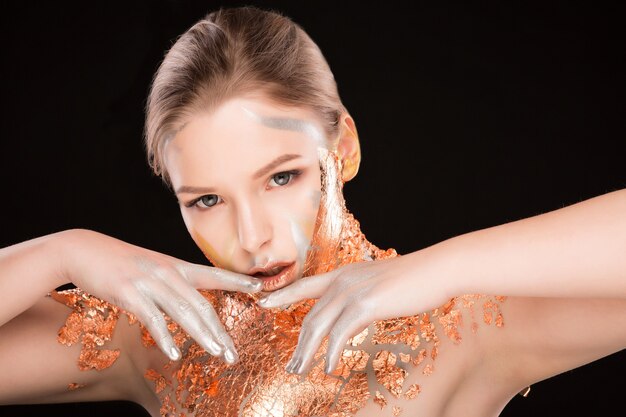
(283, 178)
(207, 201)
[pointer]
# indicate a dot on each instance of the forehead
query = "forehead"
(241, 134)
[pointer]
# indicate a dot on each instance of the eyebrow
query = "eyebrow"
(194, 190)
(260, 173)
(276, 162)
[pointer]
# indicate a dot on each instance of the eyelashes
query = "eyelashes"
(284, 178)
(280, 179)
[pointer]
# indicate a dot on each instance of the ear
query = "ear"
(348, 148)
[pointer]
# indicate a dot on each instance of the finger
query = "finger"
(208, 277)
(310, 287)
(152, 318)
(210, 321)
(348, 325)
(314, 328)
(183, 312)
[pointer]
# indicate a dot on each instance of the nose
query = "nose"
(253, 227)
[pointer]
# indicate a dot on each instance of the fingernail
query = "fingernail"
(230, 356)
(328, 369)
(289, 366)
(296, 366)
(300, 368)
(263, 300)
(174, 353)
(215, 348)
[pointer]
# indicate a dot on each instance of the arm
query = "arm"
(140, 281)
(34, 366)
(30, 269)
(137, 280)
(576, 251)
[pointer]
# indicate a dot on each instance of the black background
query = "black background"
(469, 116)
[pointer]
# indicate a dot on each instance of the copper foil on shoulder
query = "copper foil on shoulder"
(91, 323)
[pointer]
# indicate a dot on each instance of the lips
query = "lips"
(275, 275)
(270, 272)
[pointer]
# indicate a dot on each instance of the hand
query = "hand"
(147, 284)
(352, 297)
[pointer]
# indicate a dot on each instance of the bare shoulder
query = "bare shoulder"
(421, 364)
(113, 339)
(66, 353)
(547, 336)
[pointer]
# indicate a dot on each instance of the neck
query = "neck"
(337, 239)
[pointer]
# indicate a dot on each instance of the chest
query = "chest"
(378, 368)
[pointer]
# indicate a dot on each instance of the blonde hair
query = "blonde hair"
(232, 52)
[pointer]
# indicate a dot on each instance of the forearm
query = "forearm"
(577, 251)
(28, 271)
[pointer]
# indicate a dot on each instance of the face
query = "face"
(247, 178)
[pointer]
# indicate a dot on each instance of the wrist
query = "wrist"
(65, 245)
(446, 266)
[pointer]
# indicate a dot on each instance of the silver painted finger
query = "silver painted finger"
(183, 312)
(208, 277)
(305, 288)
(349, 324)
(152, 318)
(210, 318)
(313, 332)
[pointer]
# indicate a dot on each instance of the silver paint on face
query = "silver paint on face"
(302, 245)
(295, 125)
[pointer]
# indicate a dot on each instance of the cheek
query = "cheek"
(295, 216)
(311, 204)
(309, 222)
(216, 243)
(301, 203)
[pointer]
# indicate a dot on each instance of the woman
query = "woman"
(255, 130)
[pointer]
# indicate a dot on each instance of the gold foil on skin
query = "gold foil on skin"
(412, 392)
(257, 385)
(387, 374)
(380, 399)
(74, 386)
(92, 323)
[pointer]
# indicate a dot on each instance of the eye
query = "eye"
(283, 178)
(206, 201)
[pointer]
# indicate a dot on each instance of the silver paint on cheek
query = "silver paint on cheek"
(282, 123)
(316, 197)
(302, 245)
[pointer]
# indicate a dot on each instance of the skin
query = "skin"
(354, 296)
(541, 336)
(236, 212)
(139, 280)
(574, 252)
